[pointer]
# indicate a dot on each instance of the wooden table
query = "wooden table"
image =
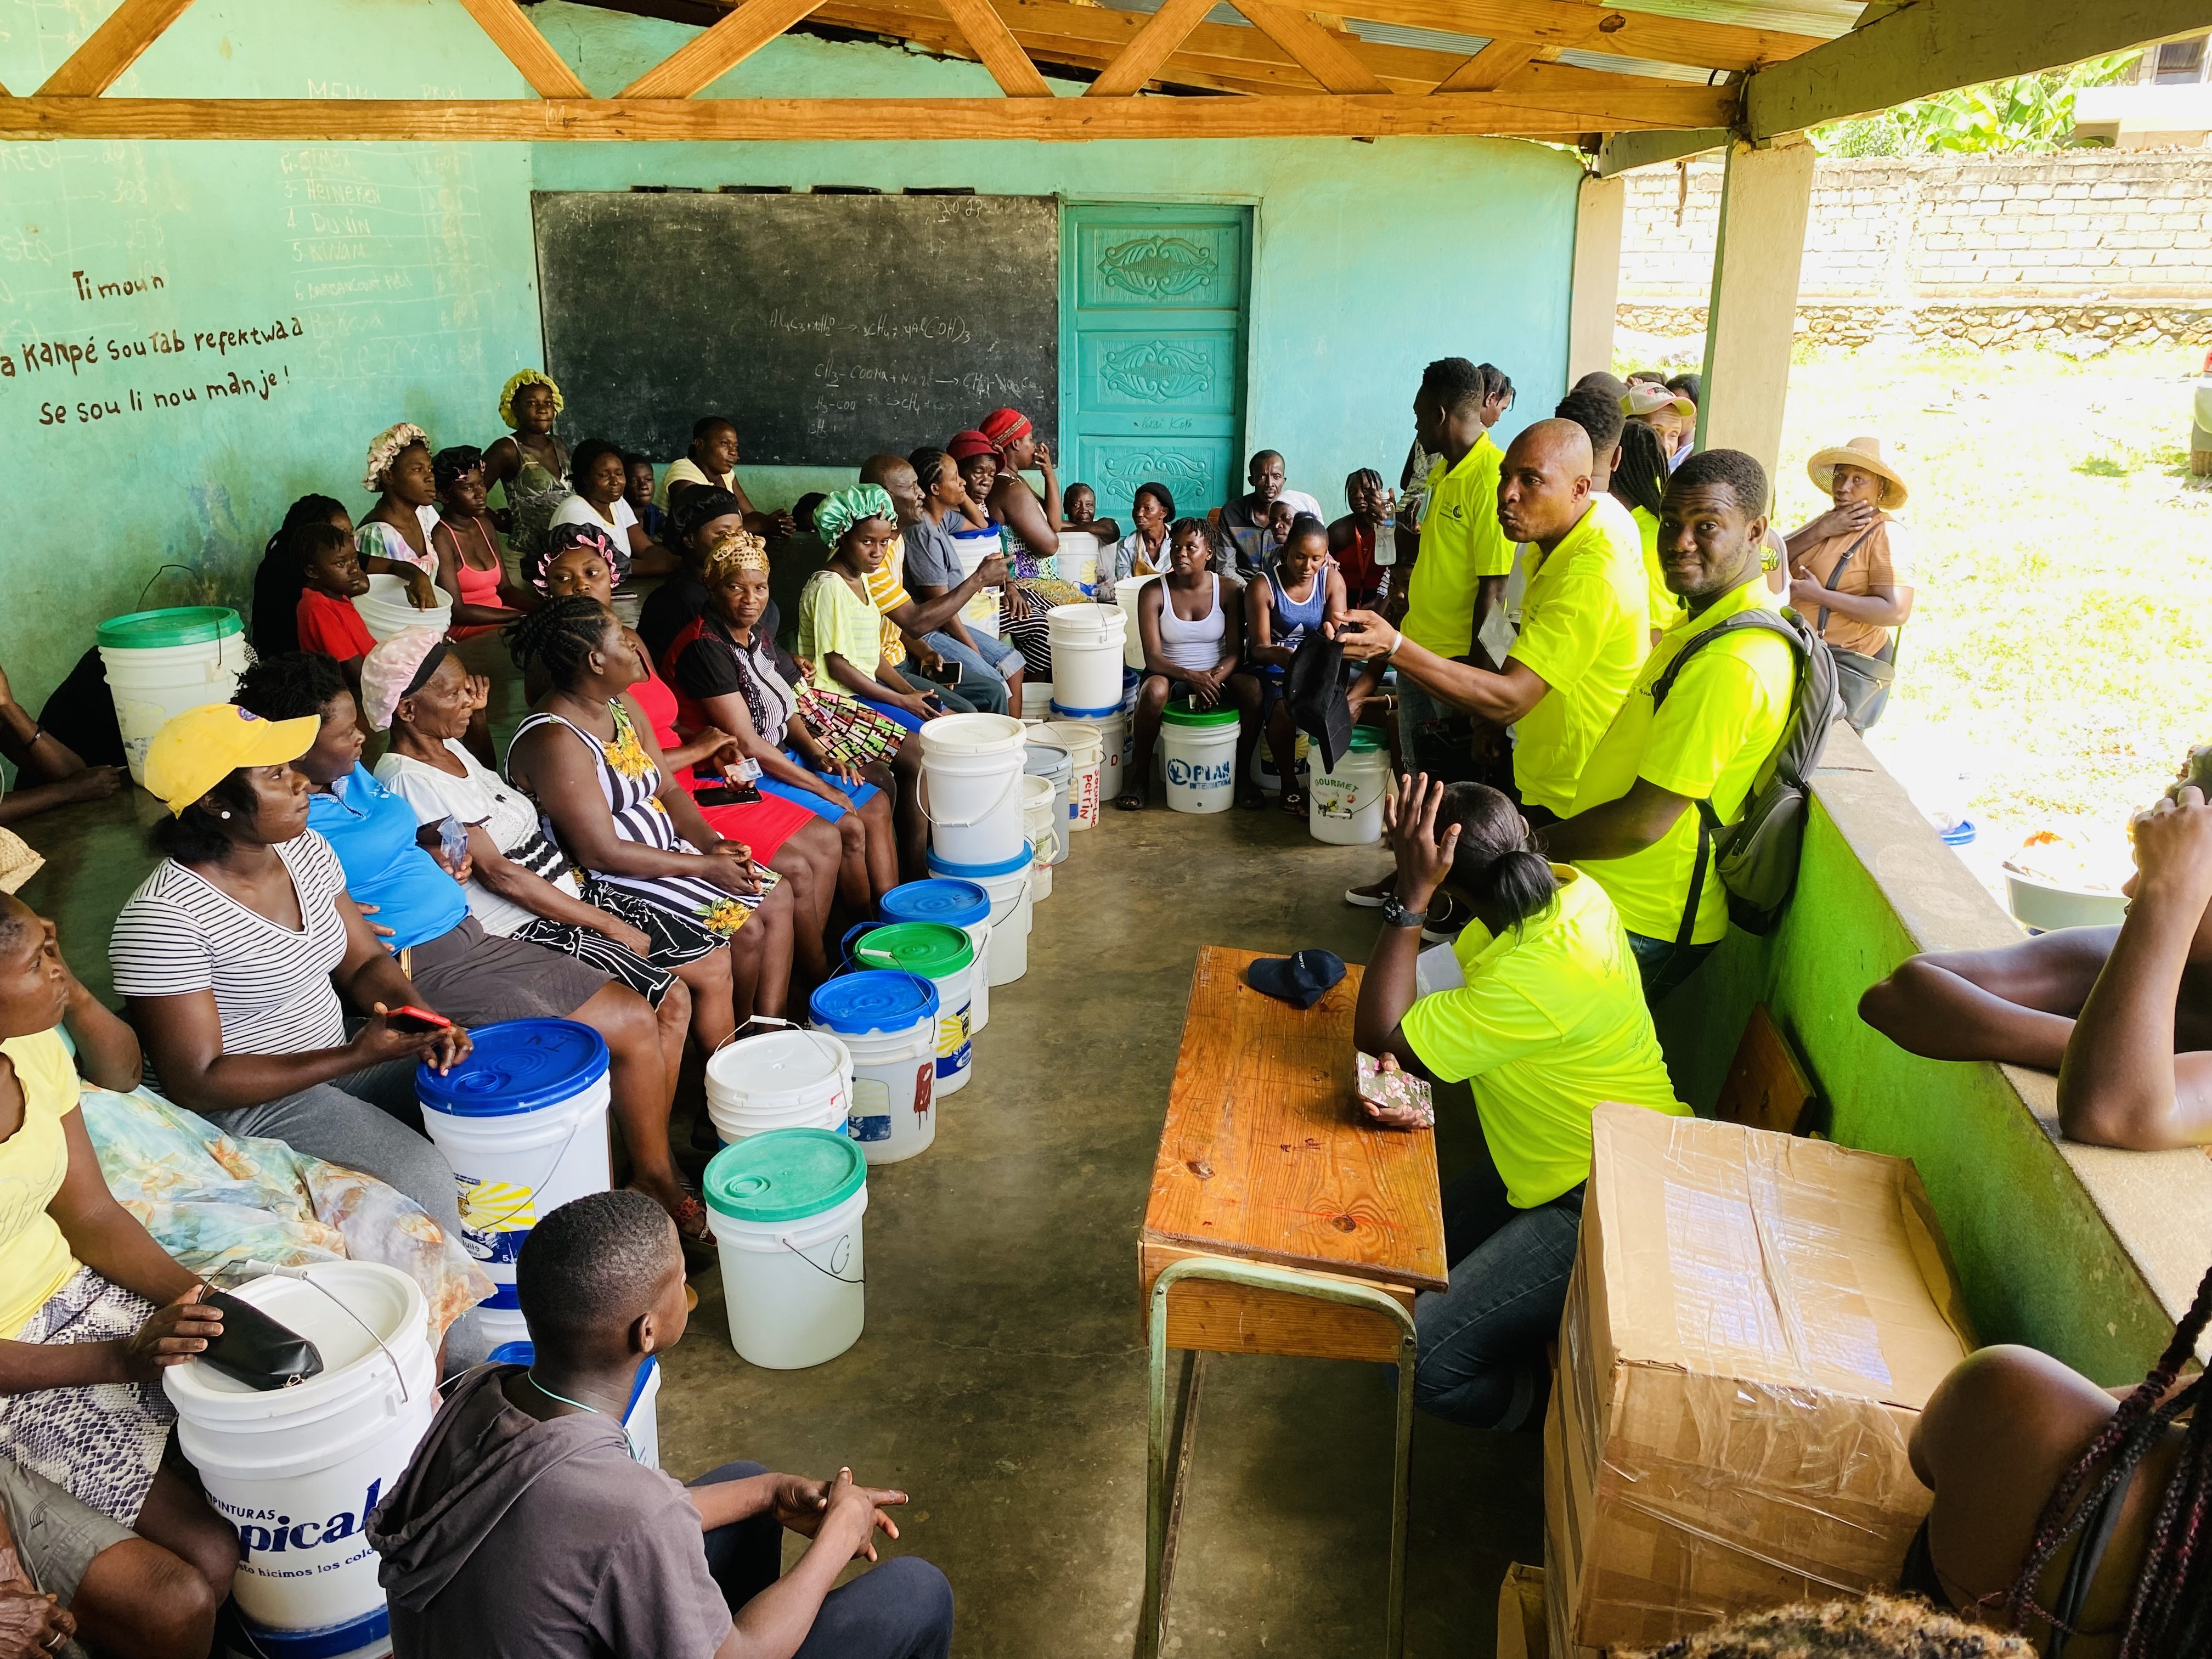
(1279, 1223)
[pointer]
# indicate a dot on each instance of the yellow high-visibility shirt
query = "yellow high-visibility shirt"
(1461, 543)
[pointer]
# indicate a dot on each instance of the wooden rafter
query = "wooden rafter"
(100, 60)
(1491, 67)
(1318, 53)
(314, 120)
(1151, 46)
(530, 52)
(706, 57)
(995, 45)
(1584, 27)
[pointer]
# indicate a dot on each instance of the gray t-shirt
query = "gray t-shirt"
(931, 558)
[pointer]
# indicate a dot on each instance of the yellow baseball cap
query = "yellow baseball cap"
(200, 747)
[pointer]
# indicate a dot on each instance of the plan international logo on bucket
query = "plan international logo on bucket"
(308, 1546)
(1201, 774)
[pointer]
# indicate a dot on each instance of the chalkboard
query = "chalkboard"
(827, 328)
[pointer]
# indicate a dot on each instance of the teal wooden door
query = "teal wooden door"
(1152, 308)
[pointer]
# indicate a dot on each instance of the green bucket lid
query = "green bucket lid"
(1180, 712)
(930, 948)
(153, 630)
(784, 1174)
(1366, 740)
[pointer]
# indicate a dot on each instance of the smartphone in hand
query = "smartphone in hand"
(1397, 1099)
(416, 1021)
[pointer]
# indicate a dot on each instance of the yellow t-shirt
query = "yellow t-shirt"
(1665, 605)
(685, 471)
(1550, 1022)
(833, 618)
(1710, 740)
(1584, 630)
(887, 592)
(1462, 541)
(36, 1259)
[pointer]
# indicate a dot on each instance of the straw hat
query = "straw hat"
(1865, 453)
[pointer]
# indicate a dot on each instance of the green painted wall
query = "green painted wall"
(1369, 260)
(345, 287)
(2038, 1263)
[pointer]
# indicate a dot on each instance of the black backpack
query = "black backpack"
(1758, 855)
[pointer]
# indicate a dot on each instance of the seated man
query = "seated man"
(523, 1529)
(2122, 1014)
(713, 461)
(1548, 1022)
(1244, 518)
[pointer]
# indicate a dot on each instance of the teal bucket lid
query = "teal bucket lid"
(784, 1174)
(156, 630)
(1366, 740)
(1180, 712)
(929, 949)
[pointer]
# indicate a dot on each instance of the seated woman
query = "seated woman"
(2062, 1507)
(470, 569)
(48, 772)
(529, 464)
(699, 518)
(1550, 1020)
(1298, 594)
(840, 633)
(780, 833)
(277, 579)
(587, 757)
(92, 1311)
(730, 677)
(2122, 1014)
(471, 975)
(602, 485)
(394, 539)
(1144, 551)
(238, 957)
(1080, 511)
(640, 495)
(1190, 621)
(1351, 538)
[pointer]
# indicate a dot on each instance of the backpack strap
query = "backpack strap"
(1834, 582)
(1709, 823)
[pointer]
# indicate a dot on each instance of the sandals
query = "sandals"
(1254, 801)
(1130, 803)
(1293, 802)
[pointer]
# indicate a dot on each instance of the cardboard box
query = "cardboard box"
(1752, 1326)
(1521, 1613)
(1562, 1564)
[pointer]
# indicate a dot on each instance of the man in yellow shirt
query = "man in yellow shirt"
(1661, 767)
(712, 461)
(1583, 622)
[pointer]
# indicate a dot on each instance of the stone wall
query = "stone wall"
(2110, 244)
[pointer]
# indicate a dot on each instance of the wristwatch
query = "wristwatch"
(1396, 915)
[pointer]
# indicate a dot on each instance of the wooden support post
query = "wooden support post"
(1766, 196)
(99, 61)
(1597, 276)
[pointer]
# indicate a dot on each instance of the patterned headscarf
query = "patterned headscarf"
(844, 508)
(559, 540)
(523, 377)
(734, 552)
(386, 449)
(397, 668)
(1004, 426)
(967, 446)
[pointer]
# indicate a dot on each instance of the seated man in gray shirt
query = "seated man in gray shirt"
(524, 1529)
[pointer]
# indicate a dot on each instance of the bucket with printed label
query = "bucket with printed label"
(971, 792)
(1199, 749)
(296, 1470)
(1343, 804)
(1008, 883)
(786, 1208)
(945, 957)
(1086, 752)
(791, 1079)
(888, 1024)
(162, 663)
(959, 904)
(523, 1120)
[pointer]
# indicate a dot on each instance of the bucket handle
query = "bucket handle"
(922, 796)
(538, 1185)
(783, 1239)
(271, 1270)
(811, 1035)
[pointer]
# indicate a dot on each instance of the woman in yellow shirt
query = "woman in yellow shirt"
(92, 1311)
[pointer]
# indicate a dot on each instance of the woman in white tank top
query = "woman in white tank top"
(1191, 621)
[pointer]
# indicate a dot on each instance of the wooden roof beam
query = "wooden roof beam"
(1150, 48)
(1578, 26)
(1490, 69)
(522, 46)
(100, 59)
(1317, 51)
(996, 48)
(707, 57)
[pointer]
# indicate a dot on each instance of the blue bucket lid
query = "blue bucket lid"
(955, 904)
(1020, 861)
(784, 1174)
(517, 1066)
(874, 999)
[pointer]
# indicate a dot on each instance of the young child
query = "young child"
(639, 495)
(327, 621)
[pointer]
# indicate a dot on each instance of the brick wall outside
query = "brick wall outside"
(2110, 244)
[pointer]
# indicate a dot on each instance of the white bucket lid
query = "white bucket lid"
(1100, 622)
(776, 1070)
(355, 1313)
(973, 735)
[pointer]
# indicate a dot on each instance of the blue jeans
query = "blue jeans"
(1663, 965)
(983, 668)
(1481, 1355)
(901, 1609)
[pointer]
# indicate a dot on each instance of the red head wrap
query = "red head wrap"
(966, 446)
(1003, 426)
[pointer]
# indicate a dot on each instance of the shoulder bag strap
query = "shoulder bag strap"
(1708, 822)
(1835, 577)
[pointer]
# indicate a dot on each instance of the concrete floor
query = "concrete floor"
(1002, 1377)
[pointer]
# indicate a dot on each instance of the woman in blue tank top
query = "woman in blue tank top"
(1300, 591)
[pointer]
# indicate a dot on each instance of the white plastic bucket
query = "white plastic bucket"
(162, 663)
(1133, 638)
(1263, 764)
(888, 1024)
(1086, 752)
(1114, 743)
(971, 768)
(786, 1208)
(1344, 805)
(959, 904)
(1037, 700)
(1008, 883)
(945, 957)
(384, 608)
(1087, 642)
(1200, 763)
(1049, 758)
(981, 613)
(1040, 820)
(1078, 558)
(523, 1120)
(792, 1080)
(296, 1470)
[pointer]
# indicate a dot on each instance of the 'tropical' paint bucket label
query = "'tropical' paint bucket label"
(872, 1105)
(952, 1044)
(496, 1216)
(273, 1544)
